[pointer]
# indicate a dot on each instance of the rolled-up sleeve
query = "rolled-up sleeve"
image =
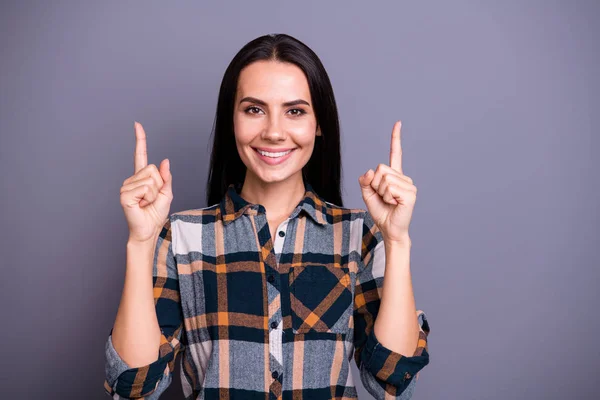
(150, 381)
(383, 372)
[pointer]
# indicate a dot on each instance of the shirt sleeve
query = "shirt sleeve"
(383, 372)
(150, 381)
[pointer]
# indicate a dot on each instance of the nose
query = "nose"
(274, 130)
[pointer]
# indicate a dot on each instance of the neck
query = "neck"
(278, 198)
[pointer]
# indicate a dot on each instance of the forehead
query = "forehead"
(273, 80)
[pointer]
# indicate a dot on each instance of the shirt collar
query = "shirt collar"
(233, 205)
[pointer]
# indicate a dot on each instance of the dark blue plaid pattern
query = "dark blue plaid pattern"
(257, 317)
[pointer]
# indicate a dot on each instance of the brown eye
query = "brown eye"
(252, 110)
(297, 112)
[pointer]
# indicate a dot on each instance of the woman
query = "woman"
(274, 287)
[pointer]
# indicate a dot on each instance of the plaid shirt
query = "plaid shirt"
(264, 318)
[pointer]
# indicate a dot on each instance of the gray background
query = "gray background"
(499, 102)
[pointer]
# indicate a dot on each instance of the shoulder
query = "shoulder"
(186, 228)
(361, 227)
(362, 221)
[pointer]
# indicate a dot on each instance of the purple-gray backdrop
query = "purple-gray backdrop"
(498, 101)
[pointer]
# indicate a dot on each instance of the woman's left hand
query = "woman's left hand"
(390, 195)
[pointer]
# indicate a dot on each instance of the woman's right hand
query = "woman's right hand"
(146, 195)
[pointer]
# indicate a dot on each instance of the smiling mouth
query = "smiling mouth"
(274, 154)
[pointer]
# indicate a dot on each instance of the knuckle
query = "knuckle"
(156, 174)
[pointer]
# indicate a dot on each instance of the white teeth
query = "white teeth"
(274, 155)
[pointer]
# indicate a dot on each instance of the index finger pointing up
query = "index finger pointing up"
(396, 148)
(140, 157)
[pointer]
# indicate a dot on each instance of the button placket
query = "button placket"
(279, 238)
(275, 333)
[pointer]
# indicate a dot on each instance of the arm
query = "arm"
(386, 369)
(145, 339)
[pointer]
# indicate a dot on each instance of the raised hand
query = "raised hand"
(146, 196)
(389, 194)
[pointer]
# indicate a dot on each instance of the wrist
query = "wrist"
(137, 243)
(402, 242)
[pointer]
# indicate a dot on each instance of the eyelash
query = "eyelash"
(299, 113)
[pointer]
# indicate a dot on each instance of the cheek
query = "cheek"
(243, 130)
(306, 138)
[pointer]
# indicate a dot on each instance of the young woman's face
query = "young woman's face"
(273, 120)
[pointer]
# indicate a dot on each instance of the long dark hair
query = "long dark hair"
(323, 170)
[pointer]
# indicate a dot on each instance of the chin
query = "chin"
(273, 176)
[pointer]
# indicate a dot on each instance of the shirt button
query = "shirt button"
(281, 233)
(274, 374)
(273, 324)
(270, 278)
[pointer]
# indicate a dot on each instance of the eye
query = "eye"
(252, 110)
(297, 112)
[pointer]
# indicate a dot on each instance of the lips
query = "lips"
(273, 149)
(273, 156)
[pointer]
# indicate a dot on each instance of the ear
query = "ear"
(319, 131)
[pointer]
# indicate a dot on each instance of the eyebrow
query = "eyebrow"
(262, 103)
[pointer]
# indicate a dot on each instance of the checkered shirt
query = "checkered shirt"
(257, 317)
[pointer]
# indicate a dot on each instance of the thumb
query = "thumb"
(365, 182)
(165, 173)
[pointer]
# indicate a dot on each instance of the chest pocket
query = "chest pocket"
(320, 298)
